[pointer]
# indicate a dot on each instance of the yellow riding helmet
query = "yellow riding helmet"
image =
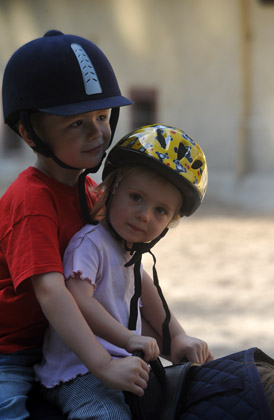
(170, 152)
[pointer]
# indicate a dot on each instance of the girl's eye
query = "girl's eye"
(136, 197)
(161, 210)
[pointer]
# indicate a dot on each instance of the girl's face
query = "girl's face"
(80, 140)
(143, 206)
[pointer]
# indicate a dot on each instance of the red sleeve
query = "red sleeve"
(31, 248)
(39, 215)
(38, 218)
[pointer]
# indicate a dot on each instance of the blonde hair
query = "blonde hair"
(111, 183)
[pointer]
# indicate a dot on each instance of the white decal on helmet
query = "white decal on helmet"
(90, 79)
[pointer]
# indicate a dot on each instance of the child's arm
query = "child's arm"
(182, 345)
(61, 310)
(104, 325)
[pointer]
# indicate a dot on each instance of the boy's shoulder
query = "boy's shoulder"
(22, 186)
(32, 193)
(32, 182)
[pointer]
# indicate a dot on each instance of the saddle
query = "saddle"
(226, 388)
(230, 388)
(162, 398)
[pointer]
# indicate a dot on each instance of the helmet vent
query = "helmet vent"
(90, 79)
(197, 164)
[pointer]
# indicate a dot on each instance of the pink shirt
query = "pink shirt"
(100, 259)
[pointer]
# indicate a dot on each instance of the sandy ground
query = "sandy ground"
(216, 269)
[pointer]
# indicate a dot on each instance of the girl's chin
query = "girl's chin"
(129, 245)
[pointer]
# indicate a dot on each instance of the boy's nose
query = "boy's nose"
(93, 130)
(92, 126)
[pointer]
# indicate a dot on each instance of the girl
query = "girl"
(152, 177)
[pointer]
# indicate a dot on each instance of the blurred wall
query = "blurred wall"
(210, 62)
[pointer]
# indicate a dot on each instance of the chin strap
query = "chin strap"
(137, 251)
(44, 149)
(40, 146)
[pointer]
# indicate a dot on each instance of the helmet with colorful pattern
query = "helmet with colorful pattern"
(168, 151)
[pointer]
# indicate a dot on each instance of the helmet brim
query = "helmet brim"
(87, 106)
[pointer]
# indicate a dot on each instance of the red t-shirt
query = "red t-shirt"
(39, 215)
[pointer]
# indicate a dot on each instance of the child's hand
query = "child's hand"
(146, 344)
(127, 374)
(190, 348)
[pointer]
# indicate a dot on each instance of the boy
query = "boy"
(61, 95)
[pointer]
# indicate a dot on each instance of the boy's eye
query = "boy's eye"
(77, 123)
(103, 117)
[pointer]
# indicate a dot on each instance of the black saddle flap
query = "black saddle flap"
(161, 400)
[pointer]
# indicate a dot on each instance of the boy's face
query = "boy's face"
(143, 206)
(80, 140)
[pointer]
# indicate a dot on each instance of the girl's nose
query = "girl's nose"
(144, 213)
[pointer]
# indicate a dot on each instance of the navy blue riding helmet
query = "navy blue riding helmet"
(61, 75)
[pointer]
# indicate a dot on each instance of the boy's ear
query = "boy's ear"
(23, 133)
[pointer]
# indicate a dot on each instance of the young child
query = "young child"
(152, 177)
(61, 95)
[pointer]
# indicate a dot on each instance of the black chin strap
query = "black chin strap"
(114, 116)
(44, 149)
(137, 251)
(40, 146)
